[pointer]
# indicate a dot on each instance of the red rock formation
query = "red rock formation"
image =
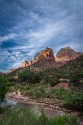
(44, 59)
(66, 54)
(46, 54)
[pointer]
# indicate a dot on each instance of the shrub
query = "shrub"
(29, 77)
(53, 81)
(74, 100)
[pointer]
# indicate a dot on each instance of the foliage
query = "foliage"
(70, 98)
(29, 76)
(3, 87)
(35, 91)
(74, 100)
(28, 117)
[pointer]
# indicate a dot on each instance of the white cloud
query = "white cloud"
(17, 64)
(8, 37)
(32, 52)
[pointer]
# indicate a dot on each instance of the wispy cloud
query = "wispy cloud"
(8, 37)
(36, 24)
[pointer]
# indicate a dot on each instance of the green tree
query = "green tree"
(29, 77)
(3, 87)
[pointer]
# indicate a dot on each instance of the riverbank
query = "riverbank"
(51, 108)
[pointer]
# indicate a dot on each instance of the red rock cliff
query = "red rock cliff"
(46, 54)
(66, 54)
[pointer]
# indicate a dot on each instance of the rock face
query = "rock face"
(46, 54)
(25, 64)
(44, 59)
(66, 54)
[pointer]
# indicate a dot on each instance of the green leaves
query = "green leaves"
(3, 87)
(29, 77)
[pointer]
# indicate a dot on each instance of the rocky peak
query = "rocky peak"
(46, 54)
(66, 54)
(43, 60)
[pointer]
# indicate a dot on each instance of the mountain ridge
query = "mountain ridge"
(46, 59)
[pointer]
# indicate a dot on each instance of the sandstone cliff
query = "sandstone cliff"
(46, 54)
(44, 59)
(66, 54)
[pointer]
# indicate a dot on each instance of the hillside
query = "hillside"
(78, 62)
(45, 59)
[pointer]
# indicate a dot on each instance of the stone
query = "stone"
(66, 54)
(43, 60)
(46, 54)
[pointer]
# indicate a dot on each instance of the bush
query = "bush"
(29, 77)
(53, 81)
(74, 101)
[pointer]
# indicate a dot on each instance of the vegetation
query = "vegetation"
(3, 87)
(28, 76)
(69, 98)
(50, 76)
(28, 117)
(43, 84)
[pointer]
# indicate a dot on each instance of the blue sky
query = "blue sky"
(28, 26)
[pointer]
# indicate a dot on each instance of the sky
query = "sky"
(29, 26)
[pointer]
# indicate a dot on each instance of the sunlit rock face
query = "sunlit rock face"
(46, 54)
(43, 60)
(66, 54)
(25, 64)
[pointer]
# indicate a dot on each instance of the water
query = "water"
(8, 102)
